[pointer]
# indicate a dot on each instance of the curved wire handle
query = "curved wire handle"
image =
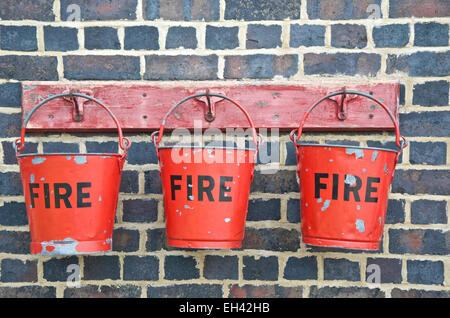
(20, 142)
(400, 141)
(257, 137)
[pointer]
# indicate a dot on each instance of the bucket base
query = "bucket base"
(70, 247)
(203, 244)
(341, 244)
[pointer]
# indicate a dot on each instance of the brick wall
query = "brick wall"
(282, 40)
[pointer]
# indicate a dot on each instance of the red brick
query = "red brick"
(265, 291)
(419, 8)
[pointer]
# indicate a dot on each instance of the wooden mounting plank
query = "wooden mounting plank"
(141, 106)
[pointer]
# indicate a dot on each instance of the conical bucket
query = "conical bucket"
(71, 199)
(344, 189)
(206, 189)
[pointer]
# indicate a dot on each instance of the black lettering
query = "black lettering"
(371, 189)
(335, 192)
(202, 189)
(64, 197)
(47, 195)
(348, 188)
(32, 194)
(189, 188)
(81, 195)
(224, 189)
(317, 185)
(174, 186)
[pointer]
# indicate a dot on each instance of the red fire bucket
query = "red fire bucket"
(71, 199)
(206, 189)
(344, 189)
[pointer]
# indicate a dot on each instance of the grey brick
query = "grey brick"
(101, 38)
(257, 10)
(342, 63)
(18, 38)
(425, 272)
(141, 38)
(222, 38)
(430, 34)
(60, 38)
(429, 153)
(263, 36)
(263, 268)
(341, 269)
(28, 68)
(307, 35)
(27, 10)
(184, 37)
(181, 67)
(392, 35)
(428, 212)
(431, 94)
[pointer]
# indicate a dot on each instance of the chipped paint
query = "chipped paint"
(191, 197)
(227, 220)
(68, 157)
(80, 160)
(64, 247)
(188, 207)
(359, 153)
(360, 225)
(331, 160)
(100, 198)
(350, 179)
(38, 160)
(358, 207)
(319, 200)
(379, 220)
(32, 178)
(42, 179)
(326, 204)
(364, 170)
(374, 155)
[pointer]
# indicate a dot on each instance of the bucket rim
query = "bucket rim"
(345, 146)
(68, 154)
(207, 147)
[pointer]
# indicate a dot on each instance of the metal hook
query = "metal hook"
(211, 113)
(78, 110)
(341, 112)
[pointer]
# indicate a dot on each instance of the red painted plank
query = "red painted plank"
(141, 106)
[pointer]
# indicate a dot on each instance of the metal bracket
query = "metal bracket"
(210, 102)
(78, 106)
(342, 102)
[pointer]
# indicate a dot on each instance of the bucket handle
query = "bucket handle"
(400, 141)
(124, 143)
(257, 137)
